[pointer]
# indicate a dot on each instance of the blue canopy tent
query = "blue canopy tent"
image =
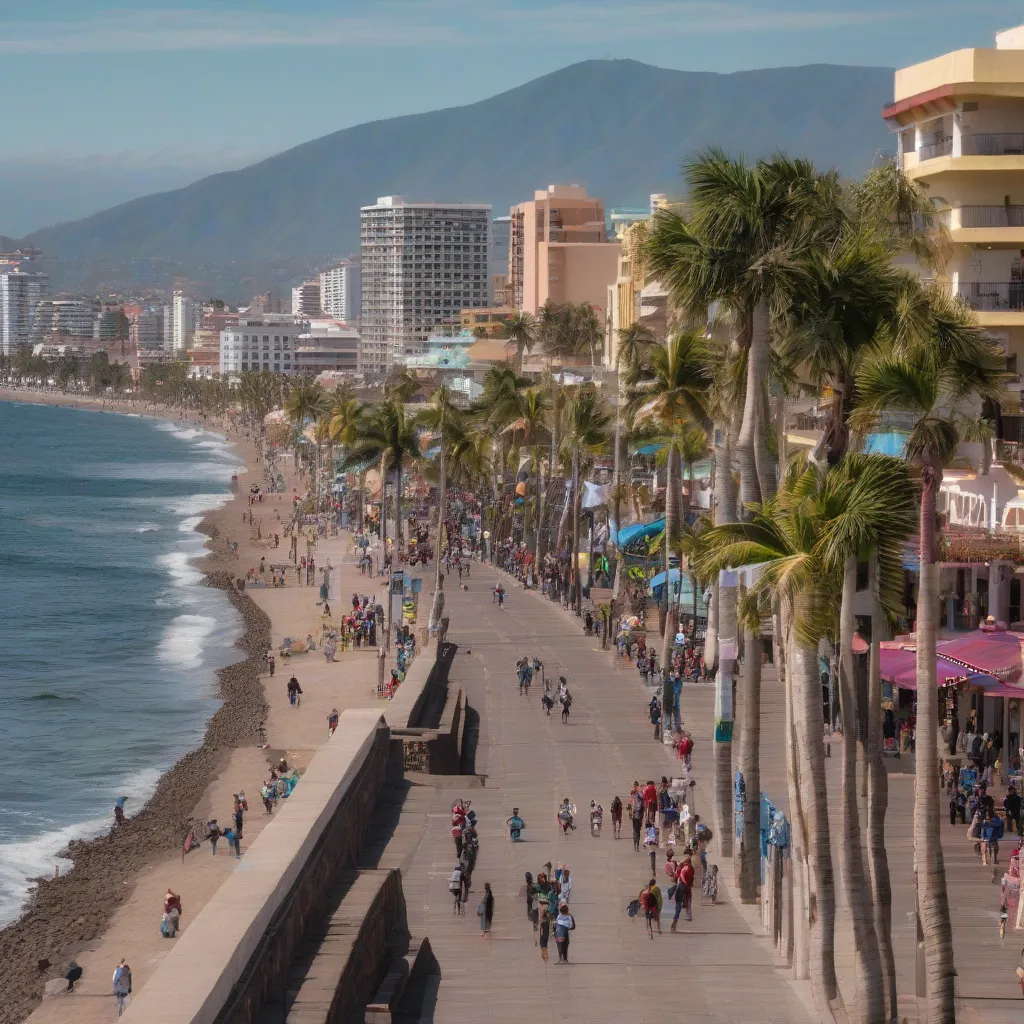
(630, 534)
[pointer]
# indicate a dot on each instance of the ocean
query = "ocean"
(110, 642)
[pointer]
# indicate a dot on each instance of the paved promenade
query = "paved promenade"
(714, 967)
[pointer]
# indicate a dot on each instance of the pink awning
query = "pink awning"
(987, 658)
(899, 666)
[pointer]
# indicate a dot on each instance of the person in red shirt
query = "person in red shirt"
(684, 890)
(650, 801)
(685, 749)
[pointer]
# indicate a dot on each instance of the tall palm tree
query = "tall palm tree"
(587, 433)
(532, 426)
(389, 436)
(671, 389)
(521, 328)
(306, 401)
(586, 328)
(345, 416)
(632, 346)
(799, 539)
(939, 359)
(439, 418)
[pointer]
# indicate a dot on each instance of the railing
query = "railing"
(942, 147)
(989, 217)
(993, 295)
(994, 144)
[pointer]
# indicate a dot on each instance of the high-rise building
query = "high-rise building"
(63, 316)
(22, 288)
(422, 264)
(183, 323)
(306, 299)
(559, 250)
(340, 291)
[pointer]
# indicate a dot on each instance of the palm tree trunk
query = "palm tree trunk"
(933, 902)
(797, 829)
(724, 512)
(577, 590)
(820, 896)
(878, 801)
(437, 605)
(540, 516)
(869, 1001)
(748, 856)
(752, 425)
(671, 539)
(724, 710)
(398, 509)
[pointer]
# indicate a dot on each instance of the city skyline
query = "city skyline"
(192, 50)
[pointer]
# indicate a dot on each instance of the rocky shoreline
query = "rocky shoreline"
(63, 914)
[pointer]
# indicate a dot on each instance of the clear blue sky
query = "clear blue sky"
(189, 78)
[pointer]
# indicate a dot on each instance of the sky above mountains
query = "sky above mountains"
(169, 82)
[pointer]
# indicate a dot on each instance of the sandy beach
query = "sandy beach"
(109, 905)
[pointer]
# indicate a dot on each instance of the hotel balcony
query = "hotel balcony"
(993, 296)
(962, 151)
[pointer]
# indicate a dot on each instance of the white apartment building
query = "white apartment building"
(340, 289)
(182, 322)
(265, 342)
(422, 263)
(306, 299)
(21, 291)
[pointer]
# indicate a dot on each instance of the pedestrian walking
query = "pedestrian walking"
(544, 914)
(214, 833)
(684, 890)
(636, 805)
(616, 812)
(485, 910)
(122, 985)
(564, 924)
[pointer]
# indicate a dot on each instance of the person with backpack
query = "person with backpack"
(685, 748)
(650, 903)
(566, 700)
(122, 985)
(703, 835)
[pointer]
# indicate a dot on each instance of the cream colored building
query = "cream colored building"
(559, 250)
(960, 127)
(634, 296)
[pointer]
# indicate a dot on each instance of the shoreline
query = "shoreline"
(63, 914)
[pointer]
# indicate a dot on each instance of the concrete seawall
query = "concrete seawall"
(235, 957)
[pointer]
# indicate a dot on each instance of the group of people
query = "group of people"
(467, 848)
(278, 787)
(547, 907)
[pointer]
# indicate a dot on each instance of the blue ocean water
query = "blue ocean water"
(110, 643)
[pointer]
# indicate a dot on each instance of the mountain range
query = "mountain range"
(620, 127)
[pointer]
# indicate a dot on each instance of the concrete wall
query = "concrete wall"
(237, 952)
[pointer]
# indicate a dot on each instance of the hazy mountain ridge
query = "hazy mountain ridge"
(621, 127)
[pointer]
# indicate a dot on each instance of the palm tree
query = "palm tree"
(305, 402)
(389, 436)
(672, 392)
(587, 330)
(634, 342)
(438, 418)
(346, 413)
(532, 425)
(401, 386)
(799, 539)
(939, 358)
(521, 328)
(746, 242)
(586, 434)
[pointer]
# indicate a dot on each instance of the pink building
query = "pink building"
(559, 250)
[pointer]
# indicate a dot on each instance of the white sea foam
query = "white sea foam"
(31, 858)
(27, 859)
(194, 504)
(179, 566)
(183, 640)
